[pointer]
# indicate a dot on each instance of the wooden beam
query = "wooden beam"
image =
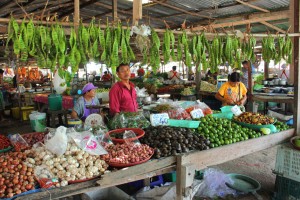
(6, 7)
(273, 27)
(83, 5)
(137, 11)
(256, 19)
(129, 13)
(76, 12)
(252, 6)
(115, 10)
(294, 69)
(181, 10)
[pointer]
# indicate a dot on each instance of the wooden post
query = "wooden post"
(115, 10)
(137, 11)
(294, 8)
(76, 12)
(266, 70)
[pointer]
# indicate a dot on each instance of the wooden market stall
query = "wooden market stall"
(185, 164)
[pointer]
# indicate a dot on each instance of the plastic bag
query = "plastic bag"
(200, 105)
(129, 120)
(130, 137)
(88, 142)
(59, 84)
(57, 143)
(44, 176)
(178, 113)
(141, 92)
(214, 184)
(18, 142)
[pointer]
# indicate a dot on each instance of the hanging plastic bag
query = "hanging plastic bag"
(57, 143)
(59, 84)
(88, 142)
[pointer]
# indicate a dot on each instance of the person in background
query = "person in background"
(122, 95)
(106, 77)
(245, 69)
(80, 110)
(141, 72)
(173, 74)
(233, 92)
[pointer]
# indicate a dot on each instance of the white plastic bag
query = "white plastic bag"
(214, 184)
(88, 142)
(57, 143)
(59, 84)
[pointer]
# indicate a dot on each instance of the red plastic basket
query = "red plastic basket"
(139, 133)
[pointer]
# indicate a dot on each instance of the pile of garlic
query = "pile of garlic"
(74, 164)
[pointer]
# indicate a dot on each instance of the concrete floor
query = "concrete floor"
(257, 165)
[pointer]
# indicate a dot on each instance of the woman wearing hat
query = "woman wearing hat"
(80, 111)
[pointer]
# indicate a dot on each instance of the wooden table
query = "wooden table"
(266, 97)
(184, 164)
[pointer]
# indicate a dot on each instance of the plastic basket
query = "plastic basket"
(288, 163)
(286, 189)
(183, 123)
(170, 177)
(139, 133)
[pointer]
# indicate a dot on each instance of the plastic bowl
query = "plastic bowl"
(292, 141)
(139, 133)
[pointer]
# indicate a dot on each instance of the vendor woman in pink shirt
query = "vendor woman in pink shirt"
(122, 95)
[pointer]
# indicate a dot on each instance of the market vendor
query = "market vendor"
(122, 95)
(80, 110)
(106, 77)
(173, 74)
(233, 92)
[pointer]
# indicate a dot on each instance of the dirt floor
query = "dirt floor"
(258, 165)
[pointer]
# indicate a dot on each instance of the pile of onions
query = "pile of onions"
(129, 153)
(15, 176)
(75, 164)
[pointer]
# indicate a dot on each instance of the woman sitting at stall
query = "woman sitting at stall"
(80, 110)
(233, 92)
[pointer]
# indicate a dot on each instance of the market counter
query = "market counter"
(272, 97)
(67, 101)
(185, 165)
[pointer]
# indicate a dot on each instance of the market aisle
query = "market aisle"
(257, 165)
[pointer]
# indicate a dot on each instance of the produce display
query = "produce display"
(169, 141)
(18, 142)
(32, 138)
(223, 131)
(15, 176)
(170, 88)
(281, 126)
(187, 91)
(254, 118)
(129, 153)
(162, 108)
(4, 142)
(74, 164)
(129, 120)
(208, 87)
(99, 90)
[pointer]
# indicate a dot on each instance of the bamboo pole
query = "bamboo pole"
(188, 31)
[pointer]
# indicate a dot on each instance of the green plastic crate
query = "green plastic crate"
(286, 189)
(224, 115)
(170, 177)
(183, 123)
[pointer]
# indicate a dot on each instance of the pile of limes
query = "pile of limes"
(281, 126)
(223, 131)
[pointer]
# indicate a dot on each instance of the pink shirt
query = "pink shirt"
(122, 99)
